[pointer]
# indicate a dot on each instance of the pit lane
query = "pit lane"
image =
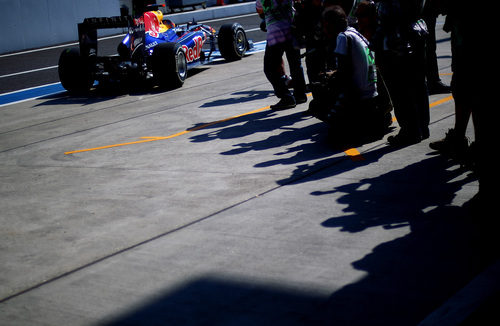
(249, 200)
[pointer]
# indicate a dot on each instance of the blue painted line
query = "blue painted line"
(258, 47)
(30, 93)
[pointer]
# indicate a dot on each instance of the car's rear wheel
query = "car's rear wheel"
(169, 65)
(74, 71)
(232, 41)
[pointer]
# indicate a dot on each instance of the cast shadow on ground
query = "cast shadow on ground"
(310, 148)
(411, 276)
(242, 126)
(407, 278)
(240, 97)
(108, 91)
(297, 144)
(213, 300)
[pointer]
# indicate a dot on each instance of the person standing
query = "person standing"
(279, 18)
(400, 47)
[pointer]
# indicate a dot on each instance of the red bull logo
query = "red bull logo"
(194, 52)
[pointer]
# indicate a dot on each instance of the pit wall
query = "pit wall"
(27, 24)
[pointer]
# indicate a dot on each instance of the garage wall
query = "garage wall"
(27, 24)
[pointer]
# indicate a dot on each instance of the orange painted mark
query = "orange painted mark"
(151, 139)
(441, 101)
(353, 153)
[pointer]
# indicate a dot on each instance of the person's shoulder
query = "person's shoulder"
(350, 31)
(344, 36)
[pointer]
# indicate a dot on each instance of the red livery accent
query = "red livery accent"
(194, 52)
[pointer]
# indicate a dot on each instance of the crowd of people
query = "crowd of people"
(364, 58)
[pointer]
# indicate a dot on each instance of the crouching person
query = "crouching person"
(347, 98)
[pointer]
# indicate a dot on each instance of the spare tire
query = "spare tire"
(232, 41)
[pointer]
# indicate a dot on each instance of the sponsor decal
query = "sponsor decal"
(150, 45)
(194, 52)
(153, 34)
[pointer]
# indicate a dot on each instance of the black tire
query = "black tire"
(232, 41)
(169, 65)
(74, 71)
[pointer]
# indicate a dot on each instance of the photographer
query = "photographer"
(348, 97)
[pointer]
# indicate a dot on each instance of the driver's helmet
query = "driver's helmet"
(163, 27)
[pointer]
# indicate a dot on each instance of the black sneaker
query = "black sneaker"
(470, 157)
(452, 144)
(438, 88)
(286, 102)
(300, 99)
(402, 140)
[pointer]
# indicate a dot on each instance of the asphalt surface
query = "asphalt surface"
(200, 206)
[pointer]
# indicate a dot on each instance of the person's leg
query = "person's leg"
(434, 83)
(455, 143)
(297, 73)
(272, 61)
(273, 58)
(400, 86)
(421, 93)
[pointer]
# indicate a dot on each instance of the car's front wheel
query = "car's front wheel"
(232, 41)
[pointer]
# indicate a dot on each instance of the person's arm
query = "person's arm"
(342, 52)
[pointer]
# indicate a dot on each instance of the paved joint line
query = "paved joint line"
(352, 153)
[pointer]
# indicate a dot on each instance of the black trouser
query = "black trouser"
(432, 70)
(405, 79)
(272, 61)
(315, 60)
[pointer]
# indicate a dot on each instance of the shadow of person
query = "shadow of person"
(239, 97)
(245, 125)
(399, 196)
(409, 277)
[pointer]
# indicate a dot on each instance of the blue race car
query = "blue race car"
(154, 49)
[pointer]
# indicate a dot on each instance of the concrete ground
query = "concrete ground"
(200, 206)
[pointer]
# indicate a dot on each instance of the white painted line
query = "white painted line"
(28, 71)
(56, 46)
(228, 18)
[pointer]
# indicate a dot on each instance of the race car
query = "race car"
(154, 49)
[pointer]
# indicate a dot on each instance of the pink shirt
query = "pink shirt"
(278, 20)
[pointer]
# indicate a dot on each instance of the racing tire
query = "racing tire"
(74, 71)
(169, 65)
(232, 41)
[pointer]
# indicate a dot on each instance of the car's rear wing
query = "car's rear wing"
(87, 31)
